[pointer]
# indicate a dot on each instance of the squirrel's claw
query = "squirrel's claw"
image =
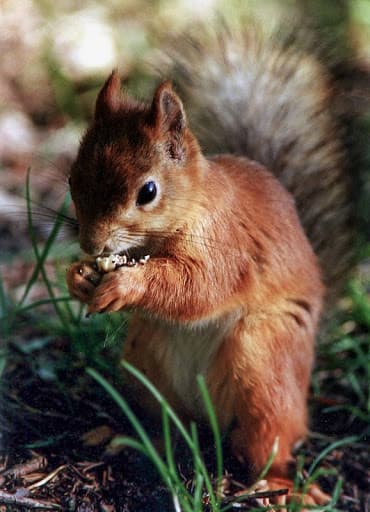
(109, 296)
(82, 280)
(313, 495)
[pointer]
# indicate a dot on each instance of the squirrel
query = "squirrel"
(233, 288)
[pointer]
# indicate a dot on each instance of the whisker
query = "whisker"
(166, 234)
(54, 216)
(205, 242)
(45, 216)
(43, 209)
(22, 215)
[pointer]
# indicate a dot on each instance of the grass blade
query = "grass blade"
(214, 426)
(184, 498)
(42, 256)
(123, 405)
(270, 460)
(130, 442)
(176, 420)
(328, 449)
(199, 479)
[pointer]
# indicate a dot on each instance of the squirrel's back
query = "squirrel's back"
(249, 94)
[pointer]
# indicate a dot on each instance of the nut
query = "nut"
(114, 261)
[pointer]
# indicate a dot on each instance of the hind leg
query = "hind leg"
(270, 422)
(267, 373)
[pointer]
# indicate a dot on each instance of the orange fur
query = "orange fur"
(232, 289)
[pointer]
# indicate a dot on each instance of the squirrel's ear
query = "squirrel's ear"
(168, 117)
(109, 98)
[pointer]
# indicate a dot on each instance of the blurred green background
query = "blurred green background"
(54, 56)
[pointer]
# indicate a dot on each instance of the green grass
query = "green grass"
(166, 466)
(88, 337)
(205, 493)
(344, 352)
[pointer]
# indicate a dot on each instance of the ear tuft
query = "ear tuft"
(168, 117)
(109, 98)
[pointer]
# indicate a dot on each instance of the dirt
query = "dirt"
(49, 461)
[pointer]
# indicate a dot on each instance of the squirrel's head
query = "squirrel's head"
(135, 166)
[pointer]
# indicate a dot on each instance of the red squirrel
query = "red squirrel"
(232, 289)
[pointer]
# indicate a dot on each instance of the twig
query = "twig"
(12, 499)
(47, 478)
(268, 494)
(256, 495)
(25, 468)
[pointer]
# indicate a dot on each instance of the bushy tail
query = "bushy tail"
(247, 93)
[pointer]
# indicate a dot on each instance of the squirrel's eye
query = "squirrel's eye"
(147, 193)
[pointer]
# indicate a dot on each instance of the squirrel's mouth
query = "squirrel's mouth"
(108, 263)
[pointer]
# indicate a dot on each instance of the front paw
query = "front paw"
(118, 290)
(82, 280)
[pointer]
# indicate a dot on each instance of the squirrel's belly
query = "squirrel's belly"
(172, 356)
(187, 354)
